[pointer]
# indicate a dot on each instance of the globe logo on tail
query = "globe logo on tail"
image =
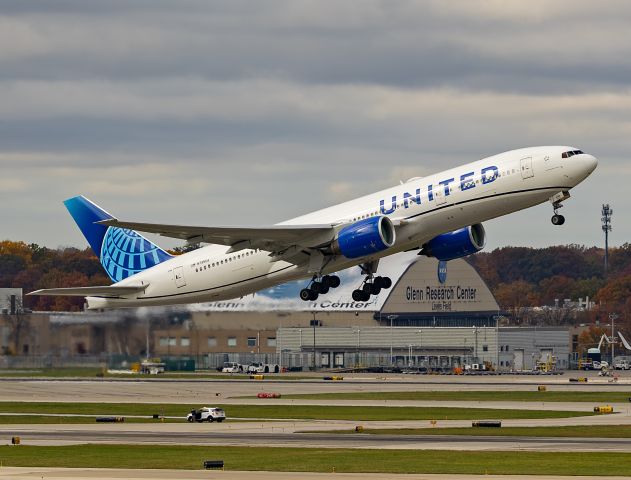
(125, 253)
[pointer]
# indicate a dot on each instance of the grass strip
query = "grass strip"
(582, 431)
(302, 412)
(320, 460)
(67, 420)
(92, 372)
(474, 396)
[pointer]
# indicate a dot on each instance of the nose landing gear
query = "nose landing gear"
(558, 219)
(556, 201)
(319, 285)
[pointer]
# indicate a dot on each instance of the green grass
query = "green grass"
(320, 460)
(306, 412)
(40, 419)
(475, 396)
(92, 372)
(52, 372)
(583, 431)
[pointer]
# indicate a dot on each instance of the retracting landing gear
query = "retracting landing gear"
(556, 201)
(371, 285)
(319, 285)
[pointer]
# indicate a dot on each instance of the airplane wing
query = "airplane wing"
(624, 341)
(274, 238)
(101, 291)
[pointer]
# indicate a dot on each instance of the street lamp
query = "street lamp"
(391, 318)
(612, 317)
(358, 347)
(314, 322)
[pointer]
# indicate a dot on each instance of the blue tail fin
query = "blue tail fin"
(122, 252)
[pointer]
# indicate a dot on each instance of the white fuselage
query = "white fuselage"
(420, 208)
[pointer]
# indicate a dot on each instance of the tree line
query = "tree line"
(519, 277)
(522, 278)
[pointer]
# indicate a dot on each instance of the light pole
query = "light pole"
(497, 340)
(147, 339)
(391, 318)
(279, 342)
(358, 347)
(314, 340)
(612, 317)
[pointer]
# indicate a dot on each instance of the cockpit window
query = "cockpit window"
(570, 153)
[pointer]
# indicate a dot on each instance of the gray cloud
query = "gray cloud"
(252, 112)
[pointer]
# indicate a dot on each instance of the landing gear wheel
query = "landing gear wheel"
(558, 219)
(334, 281)
(305, 294)
(358, 295)
(383, 282)
(317, 287)
(313, 295)
(367, 288)
(375, 289)
(324, 289)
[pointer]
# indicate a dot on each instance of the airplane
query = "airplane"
(439, 215)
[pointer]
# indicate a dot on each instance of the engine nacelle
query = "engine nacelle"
(364, 237)
(456, 244)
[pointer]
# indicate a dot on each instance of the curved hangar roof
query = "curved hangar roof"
(416, 289)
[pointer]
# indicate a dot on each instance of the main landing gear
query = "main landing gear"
(371, 286)
(319, 286)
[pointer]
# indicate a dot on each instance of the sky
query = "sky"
(249, 113)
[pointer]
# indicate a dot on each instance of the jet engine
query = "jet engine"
(456, 244)
(364, 237)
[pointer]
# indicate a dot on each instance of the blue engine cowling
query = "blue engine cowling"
(456, 244)
(364, 237)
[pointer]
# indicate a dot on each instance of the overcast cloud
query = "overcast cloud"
(243, 112)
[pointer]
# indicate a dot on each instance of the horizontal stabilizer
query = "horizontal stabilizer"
(101, 291)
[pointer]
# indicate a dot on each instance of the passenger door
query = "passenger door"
(526, 168)
(178, 277)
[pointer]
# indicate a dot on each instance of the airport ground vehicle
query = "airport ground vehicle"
(258, 367)
(207, 414)
(231, 367)
(622, 365)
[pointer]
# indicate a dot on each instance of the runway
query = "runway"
(134, 434)
(286, 432)
(228, 390)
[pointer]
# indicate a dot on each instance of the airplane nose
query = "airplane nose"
(590, 162)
